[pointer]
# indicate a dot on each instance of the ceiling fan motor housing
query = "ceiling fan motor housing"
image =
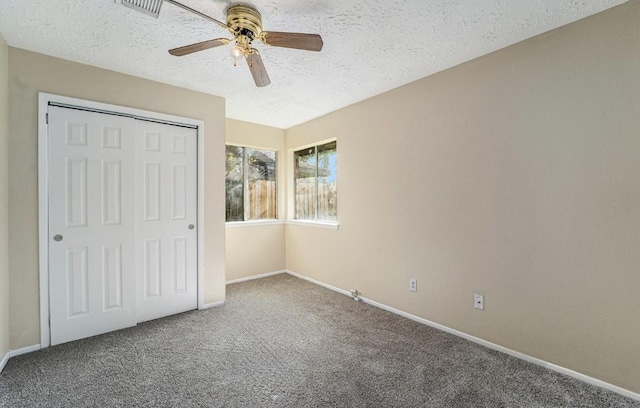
(244, 21)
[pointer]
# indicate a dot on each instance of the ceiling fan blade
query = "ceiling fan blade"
(204, 45)
(258, 71)
(300, 41)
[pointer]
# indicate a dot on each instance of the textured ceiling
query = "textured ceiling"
(370, 46)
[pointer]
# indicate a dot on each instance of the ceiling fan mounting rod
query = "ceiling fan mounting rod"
(175, 3)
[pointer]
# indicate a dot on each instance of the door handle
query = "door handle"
(191, 226)
(57, 238)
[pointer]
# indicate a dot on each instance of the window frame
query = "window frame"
(245, 188)
(291, 183)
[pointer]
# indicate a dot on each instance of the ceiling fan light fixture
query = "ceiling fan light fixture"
(242, 47)
(237, 52)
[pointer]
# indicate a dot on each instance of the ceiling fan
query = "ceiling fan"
(244, 23)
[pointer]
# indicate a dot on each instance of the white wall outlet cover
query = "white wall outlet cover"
(478, 301)
(413, 284)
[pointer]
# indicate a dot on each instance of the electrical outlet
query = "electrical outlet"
(413, 284)
(478, 301)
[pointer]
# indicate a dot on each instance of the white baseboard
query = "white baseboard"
(4, 361)
(493, 346)
(248, 278)
(210, 305)
(13, 353)
(590, 380)
(24, 350)
(324, 285)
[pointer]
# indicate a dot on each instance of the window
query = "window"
(315, 183)
(250, 186)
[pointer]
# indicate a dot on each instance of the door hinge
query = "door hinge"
(47, 118)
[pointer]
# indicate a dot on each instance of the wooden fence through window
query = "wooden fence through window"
(305, 200)
(262, 199)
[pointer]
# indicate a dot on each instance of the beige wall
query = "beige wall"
(516, 176)
(4, 209)
(30, 73)
(256, 249)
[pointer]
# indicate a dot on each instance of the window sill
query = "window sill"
(252, 223)
(316, 224)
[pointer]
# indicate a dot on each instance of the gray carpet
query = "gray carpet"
(283, 342)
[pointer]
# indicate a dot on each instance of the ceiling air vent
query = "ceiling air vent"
(148, 7)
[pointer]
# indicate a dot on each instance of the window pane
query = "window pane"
(305, 183)
(327, 186)
(261, 179)
(234, 184)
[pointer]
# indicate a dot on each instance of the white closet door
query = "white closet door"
(91, 224)
(166, 219)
